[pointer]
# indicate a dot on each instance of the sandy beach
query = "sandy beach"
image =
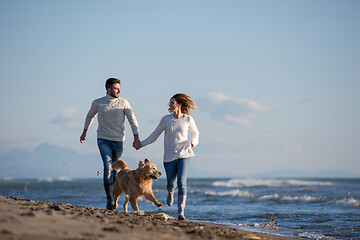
(28, 219)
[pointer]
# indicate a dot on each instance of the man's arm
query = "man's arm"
(83, 135)
(137, 142)
(134, 124)
(88, 120)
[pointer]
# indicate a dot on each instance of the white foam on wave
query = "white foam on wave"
(287, 197)
(352, 202)
(272, 197)
(305, 198)
(7, 179)
(62, 179)
(235, 193)
(258, 182)
(314, 235)
(308, 183)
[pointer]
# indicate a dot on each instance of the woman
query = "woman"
(177, 146)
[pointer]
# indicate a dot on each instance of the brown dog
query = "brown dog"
(135, 183)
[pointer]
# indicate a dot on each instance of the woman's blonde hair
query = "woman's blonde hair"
(186, 102)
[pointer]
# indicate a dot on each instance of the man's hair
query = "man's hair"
(110, 82)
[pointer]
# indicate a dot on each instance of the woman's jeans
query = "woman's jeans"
(110, 152)
(177, 168)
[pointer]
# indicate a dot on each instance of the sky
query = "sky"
(276, 82)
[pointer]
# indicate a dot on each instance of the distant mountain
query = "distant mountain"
(48, 161)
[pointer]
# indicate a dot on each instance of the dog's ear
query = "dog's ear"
(147, 161)
(141, 164)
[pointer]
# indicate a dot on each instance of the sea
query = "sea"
(292, 207)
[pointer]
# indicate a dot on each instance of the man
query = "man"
(111, 111)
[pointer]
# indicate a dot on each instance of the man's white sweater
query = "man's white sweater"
(111, 117)
(176, 140)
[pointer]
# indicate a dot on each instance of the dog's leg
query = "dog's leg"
(133, 202)
(117, 193)
(127, 198)
(151, 198)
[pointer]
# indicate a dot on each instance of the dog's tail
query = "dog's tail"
(119, 164)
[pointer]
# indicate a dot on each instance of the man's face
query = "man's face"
(114, 90)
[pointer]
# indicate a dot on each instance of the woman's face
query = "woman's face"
(174, 106)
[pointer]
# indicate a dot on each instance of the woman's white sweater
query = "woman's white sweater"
(176, 140)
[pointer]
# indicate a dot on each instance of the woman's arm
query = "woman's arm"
(155, 134)
(194, 133)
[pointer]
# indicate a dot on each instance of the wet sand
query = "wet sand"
(35, 220)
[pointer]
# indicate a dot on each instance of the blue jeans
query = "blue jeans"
(110, 152)
(177, 169)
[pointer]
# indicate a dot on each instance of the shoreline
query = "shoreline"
(30, 219)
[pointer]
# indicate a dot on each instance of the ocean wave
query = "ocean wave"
(352, 202)
(254, 182)
(7, 179)
(60, 179)
(235, 193)
(314, 235)
(287, 197)
(271, 197)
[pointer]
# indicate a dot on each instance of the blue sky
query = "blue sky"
(276, 82)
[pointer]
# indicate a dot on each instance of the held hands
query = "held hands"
(137, 143)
